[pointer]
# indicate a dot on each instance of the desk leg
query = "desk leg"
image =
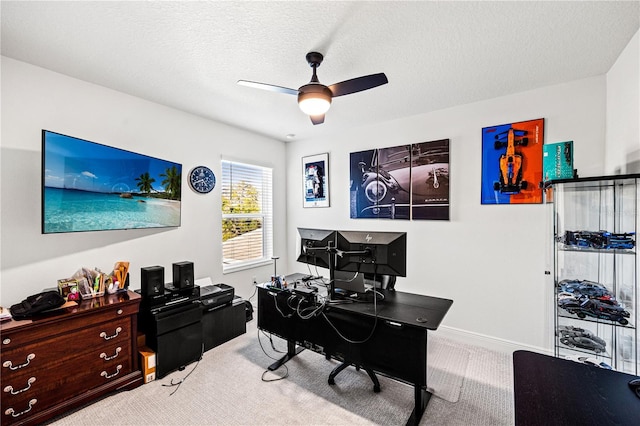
(292, 351)
(421, 397)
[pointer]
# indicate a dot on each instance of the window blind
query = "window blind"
(247, 210)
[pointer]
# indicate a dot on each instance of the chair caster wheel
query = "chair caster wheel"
(331, 381)
(376, 389)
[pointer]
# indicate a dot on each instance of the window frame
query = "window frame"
(265, 197)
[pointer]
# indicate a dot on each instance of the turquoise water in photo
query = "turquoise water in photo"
(68, 210)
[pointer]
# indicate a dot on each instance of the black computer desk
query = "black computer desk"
(554, 391)
(397, 347)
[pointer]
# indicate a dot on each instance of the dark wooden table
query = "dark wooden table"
(554, 391)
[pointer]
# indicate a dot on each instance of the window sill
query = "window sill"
(227, 269)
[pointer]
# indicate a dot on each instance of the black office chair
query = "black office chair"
(370, 372)
(387, 282)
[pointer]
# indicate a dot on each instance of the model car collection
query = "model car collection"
(601, 240)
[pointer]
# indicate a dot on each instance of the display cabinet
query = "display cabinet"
(596, 270)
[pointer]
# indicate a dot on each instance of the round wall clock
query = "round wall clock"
(201, 179)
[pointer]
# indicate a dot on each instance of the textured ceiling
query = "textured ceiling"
(189, 55)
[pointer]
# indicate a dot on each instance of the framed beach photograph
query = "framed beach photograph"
(315, 176)
(87, 186)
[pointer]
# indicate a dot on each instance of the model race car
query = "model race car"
(585, 288)
(582, 343)
(584, 306)
(599, 240)
(511, 161)
(576, 337)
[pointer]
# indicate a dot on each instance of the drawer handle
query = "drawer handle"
(9, 364)
(109, 358)
(109, 376)
(12, 412)
(105, 337)
(6, 341)
(119, 312)
(10, 388)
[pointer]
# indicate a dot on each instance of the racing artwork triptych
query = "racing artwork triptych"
(401, 182)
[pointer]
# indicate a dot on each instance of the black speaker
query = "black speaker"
(183, 274)
(152, 280)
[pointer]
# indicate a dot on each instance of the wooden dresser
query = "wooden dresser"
(58, 362)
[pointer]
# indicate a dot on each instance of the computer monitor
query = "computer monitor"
(383, 253)
(315, 245)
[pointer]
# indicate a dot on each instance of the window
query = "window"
(247, 226)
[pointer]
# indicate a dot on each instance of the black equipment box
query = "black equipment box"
(223, 323)
(305, 293)
(176, 337)
(170, 298)
(215, 295)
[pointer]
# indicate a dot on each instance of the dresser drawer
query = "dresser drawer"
(105, 337)
(37, 395)
(45, 371)
(63, 326)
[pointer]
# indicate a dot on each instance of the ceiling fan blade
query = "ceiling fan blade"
(317, 119)
(269, 87)
(358, 84)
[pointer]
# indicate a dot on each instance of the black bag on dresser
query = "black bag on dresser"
(35, 304)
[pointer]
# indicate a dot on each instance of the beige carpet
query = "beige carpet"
(227, 388)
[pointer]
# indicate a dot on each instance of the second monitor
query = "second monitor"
(315, 245)
(382, 253)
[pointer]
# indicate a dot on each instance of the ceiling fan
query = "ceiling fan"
(314, 98)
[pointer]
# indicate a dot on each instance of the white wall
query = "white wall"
(35, 99)
(490, 259)
(623, 110)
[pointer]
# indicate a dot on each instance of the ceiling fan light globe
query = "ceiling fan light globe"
(314, 99)
(314, 106)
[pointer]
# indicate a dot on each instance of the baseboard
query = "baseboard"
(485, 341)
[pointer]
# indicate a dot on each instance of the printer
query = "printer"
(212, 296)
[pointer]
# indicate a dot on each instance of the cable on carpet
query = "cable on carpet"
(181, 381)
(286, 374)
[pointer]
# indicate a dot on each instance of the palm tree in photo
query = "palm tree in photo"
(171, 182)
(145, 183)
